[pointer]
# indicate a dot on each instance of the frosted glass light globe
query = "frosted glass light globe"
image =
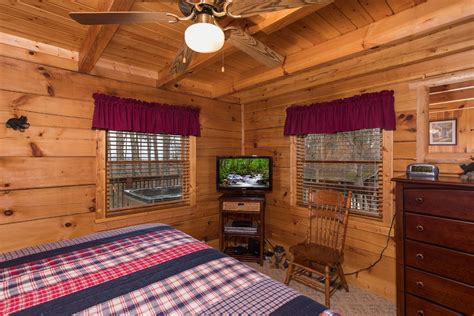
(204, 37)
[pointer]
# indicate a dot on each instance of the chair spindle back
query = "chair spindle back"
(328, 214)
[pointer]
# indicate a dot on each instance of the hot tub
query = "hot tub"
(152, 195)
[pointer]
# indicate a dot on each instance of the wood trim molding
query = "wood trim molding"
(101, 177)
(387, 175)
(293, 172)
(422, 104)
(148, 215)
(192, 172)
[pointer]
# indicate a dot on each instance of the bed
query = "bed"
(150, 269)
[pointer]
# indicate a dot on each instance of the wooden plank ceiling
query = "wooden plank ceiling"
(154, 46)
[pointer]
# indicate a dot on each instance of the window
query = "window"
(439, 98)
(346, 161)
(145, 170)
(452, 102)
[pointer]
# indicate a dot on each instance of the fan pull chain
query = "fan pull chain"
(184, 59)
(223, 67)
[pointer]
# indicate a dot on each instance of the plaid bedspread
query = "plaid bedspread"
(148, 269)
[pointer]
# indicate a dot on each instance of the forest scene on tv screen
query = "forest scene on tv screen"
(253, 173)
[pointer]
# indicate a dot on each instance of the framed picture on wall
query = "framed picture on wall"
(443, 132)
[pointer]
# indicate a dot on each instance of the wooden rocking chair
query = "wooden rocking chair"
(322, 251)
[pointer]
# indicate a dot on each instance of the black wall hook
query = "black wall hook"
(18, 123)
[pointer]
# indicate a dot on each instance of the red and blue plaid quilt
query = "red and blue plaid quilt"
(149, 269)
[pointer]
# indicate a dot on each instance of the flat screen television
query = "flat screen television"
(244, 173)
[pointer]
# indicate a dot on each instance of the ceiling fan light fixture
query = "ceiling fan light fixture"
(204, 36)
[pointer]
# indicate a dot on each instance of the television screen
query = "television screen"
(244, 173)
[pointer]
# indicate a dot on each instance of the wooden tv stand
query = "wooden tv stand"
(248, 207)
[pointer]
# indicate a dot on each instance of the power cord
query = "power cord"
(376, 261)
(381, 253)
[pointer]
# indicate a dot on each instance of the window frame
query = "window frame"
(422, 89)
(387, 205)
(101, 185)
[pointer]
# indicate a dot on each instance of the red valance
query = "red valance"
(370, 110)
(121, 114)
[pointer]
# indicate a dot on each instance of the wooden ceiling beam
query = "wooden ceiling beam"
(99, 36)
(436, 45)
(273, 22)
(406, 25)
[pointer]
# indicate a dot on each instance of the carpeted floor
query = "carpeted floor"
(356, 302)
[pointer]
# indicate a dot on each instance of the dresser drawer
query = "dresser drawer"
(241, 206)
(418, 307)
(448, 263)
(440, 231)
(458, 204)
(451, 294)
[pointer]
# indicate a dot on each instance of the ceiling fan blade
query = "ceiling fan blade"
(182, 60)
(121, 17)
(246, 8)
(185, 7)
(256, 49)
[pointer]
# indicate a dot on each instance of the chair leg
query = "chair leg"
(289, 273)
(343, 278)
(327, 287)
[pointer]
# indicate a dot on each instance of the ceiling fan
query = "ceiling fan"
(205, 35)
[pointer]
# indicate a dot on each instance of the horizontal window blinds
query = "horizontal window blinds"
(346, 161)
(145, 170)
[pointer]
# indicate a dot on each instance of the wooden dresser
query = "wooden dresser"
(435, 247)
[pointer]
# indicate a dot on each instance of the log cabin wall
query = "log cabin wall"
(48, 172)
(395, 68)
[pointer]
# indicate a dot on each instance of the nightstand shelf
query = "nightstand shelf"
(242, 208)
(252, 235)
(246, 257)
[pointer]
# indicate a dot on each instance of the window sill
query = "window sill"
(375, 221)
(353, 213)
(369, 216)
(151, 214)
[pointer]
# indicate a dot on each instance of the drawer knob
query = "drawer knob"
(8, 212)
(420, 312)
(419, 256)
(420, 284)
(420, 228)
(419, 200)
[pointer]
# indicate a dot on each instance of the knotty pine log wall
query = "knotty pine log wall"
(264, 120)
(47, 173)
